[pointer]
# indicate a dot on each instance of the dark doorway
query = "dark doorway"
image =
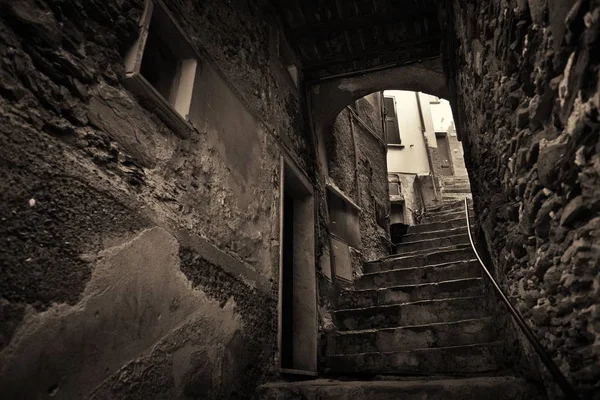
(287, 277)
(444, 153)
(297, 282)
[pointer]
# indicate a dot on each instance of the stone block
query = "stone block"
(551, 156)
(537, 9)
(522, 119)
(573, 210)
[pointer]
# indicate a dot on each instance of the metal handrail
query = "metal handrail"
(556, 373)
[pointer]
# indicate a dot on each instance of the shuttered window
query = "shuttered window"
(391, 121)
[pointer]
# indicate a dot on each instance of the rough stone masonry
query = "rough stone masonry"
(527, 78)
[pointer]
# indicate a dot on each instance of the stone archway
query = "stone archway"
(328, 98)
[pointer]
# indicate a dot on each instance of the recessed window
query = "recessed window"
(161, 66)
(391, 121)
(344, 219)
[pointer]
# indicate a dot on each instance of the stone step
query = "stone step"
(458, 333)
(456, 189)
(432, 244)
(471, 359)
(477, 388)
(460, 269)
(417, 313)
(450, 206)
(464, 267)
(410, 293)
(413, 237)
(456, 184)
(453, 197)
(443, 256)
(445, 217)
(438, 226)
(424, 252)
(455, 181)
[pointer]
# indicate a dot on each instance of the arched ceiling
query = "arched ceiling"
(330, 96)
(333, 37)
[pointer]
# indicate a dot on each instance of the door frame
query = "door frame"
(305, 188)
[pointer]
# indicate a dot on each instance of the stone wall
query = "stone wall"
(373, 183)
(358, 168)
(359, 134)
(136, 263)
(526, 77)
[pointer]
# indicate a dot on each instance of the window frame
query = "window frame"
(398, 191)
(174, 112)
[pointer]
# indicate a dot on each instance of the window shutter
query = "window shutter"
(391, 121)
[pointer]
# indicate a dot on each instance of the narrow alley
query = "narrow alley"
(311, 200)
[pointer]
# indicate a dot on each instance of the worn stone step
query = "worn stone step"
(410, 293)
(413, 237)
(420, 260)
(457, 210)
(446, 178)
(447, 182)
(477, 358)
(417, 313)
(459, 181)
(458, 333)
(427, 251)
(475, 388)
(460, 269)
(453, 197)
(456, 189)
(454, 205)
(438, 226)
(461, 184)
(445, 217)
(430, 244)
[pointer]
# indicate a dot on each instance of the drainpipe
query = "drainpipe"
(424, 132)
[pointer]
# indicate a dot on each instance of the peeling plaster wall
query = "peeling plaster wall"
(529, 100)
(136, 263)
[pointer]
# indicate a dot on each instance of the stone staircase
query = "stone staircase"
(455, 188)
(414, 326)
